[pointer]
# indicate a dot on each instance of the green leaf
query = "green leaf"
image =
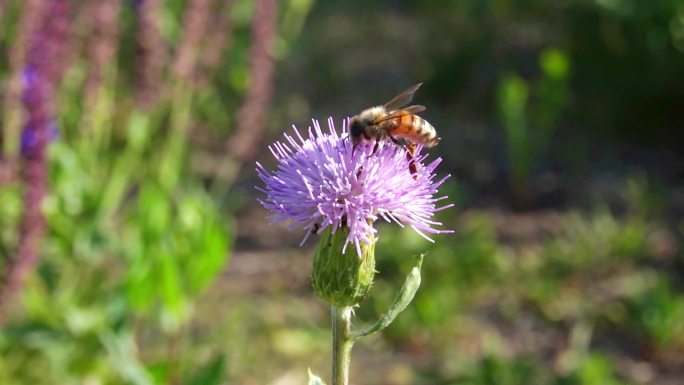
(154, 209)
(555, 63)
(209, 374)
(140, 284)
(176, 305)
(123, 355)
(214, 252)
(404, 298)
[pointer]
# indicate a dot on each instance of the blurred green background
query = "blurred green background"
(562, 126)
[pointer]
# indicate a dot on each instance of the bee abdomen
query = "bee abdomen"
(414, 128)
(426, 132)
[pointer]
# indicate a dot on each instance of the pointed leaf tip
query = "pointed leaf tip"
(314, 379)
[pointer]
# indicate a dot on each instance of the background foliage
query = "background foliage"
(561, 125)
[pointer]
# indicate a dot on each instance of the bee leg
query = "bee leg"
(410, 148)
(375, 148)
(395, 141)
(410, 152)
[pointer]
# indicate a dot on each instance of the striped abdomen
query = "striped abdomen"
(414, 128)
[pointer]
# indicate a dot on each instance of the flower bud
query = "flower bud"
(342, 278)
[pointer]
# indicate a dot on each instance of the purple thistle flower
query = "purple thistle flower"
(323, 181)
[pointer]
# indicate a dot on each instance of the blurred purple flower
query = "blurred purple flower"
(251, 115)
(150, 51)
(42, 72)
(322, 181)
(44, 67)
(29, 76)
(102, 46)
(38, 129)
(30, 138)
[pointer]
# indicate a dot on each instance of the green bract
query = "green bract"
(342, 278)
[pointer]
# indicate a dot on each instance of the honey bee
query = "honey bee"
(400, 125)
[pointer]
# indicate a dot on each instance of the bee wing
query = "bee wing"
(410, 110)
(403, 98)
(414, 109)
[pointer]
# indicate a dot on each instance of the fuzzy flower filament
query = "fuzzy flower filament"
(322, 181)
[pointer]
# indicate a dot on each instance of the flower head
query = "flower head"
(323, 181)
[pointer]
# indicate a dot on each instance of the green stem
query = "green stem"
(342, 344)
